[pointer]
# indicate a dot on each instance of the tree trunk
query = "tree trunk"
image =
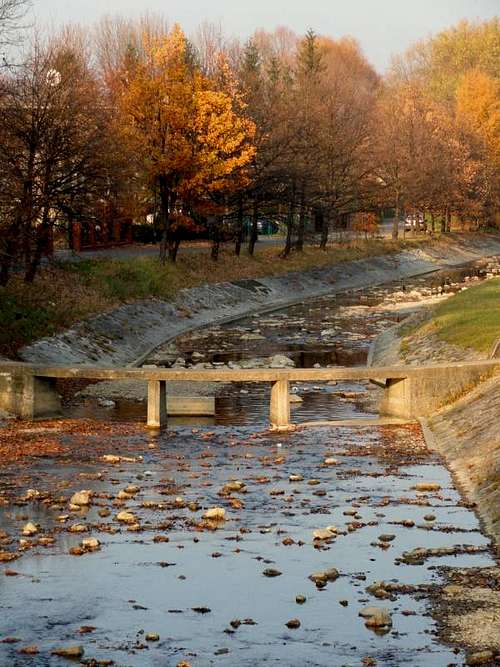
(239, 227)
(254, 232)
(299, 244)
(395, 224)
(42, 238)
(289, 226)
(324, 231)
(433, 223)
(214, 252)
(448, 220)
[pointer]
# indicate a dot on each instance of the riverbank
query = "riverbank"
(466, 433)
(69, 291)
(128, 334)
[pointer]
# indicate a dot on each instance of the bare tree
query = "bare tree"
(12, 13)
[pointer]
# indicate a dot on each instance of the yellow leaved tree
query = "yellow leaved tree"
(191, 137)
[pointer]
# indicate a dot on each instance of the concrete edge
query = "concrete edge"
(460, 479)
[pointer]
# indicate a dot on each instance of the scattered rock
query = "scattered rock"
(215, 514)
(427, 486)
(271, 572)
(300, 599)
(69, 652)
(293, 623)
(81, 498)
(152, 637)
(376, 617)
(30, 529)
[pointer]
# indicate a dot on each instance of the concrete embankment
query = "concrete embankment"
(129, 333)
(467, 432)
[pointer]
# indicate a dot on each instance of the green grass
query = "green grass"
(470, 319)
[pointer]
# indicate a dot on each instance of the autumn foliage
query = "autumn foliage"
(210, 134)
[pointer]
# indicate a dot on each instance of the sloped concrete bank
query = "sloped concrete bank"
(465, 433)
(129, 333)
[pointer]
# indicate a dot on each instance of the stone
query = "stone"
(280, 361)
(386, 537)
(295, 399)
(81, 498)
(271, 572)
(323, 534)
(106, 403)
(126, 517)
(376, 617)
(300, 599)
(233, 486)
(452, 590)
(69, 652)
(330, 462)
(111, 458)
(90, 544)
(30, 529)
(293, 623)
(427, 486)
(429, 517)
(152, 637)
(296, 478)
(215, 514)
(78, 528)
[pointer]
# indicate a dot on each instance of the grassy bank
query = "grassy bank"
(470, 319)
(66, 293)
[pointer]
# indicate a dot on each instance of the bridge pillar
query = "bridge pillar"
(397, 398)
(157, 404)
(28, 396)
(279, 412)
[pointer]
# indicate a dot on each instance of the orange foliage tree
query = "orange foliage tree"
(190, 135)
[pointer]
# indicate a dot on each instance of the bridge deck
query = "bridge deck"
(233, 375)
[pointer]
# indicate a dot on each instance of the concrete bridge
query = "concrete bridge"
(29, 391)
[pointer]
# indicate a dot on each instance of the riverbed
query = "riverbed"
(172, 587)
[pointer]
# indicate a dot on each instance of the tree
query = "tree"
(12, 13)
(55, 139)
(187, 134)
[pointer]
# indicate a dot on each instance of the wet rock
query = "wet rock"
(296, 478)
(90, 544)
(152, 637)
(325, 533)
(271, 572)
(427, 486)
(29, 529)
(323, 576)
(300, 599)
(452, 590)
(126, 517)
(69, 652)
(111, 458)
(293, 624)
(479, 658)
(233, 487)
(81, 498)
(386, 537)
(429, 517)
(78, 528)
(376, 617)
(330, 461)
(30, 650)
(215, 514)
(294, 398)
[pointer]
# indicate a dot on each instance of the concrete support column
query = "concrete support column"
(397, 398)
(157, 404)
(280, 406)
(28, 396)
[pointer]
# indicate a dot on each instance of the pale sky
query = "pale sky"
(383, 27)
